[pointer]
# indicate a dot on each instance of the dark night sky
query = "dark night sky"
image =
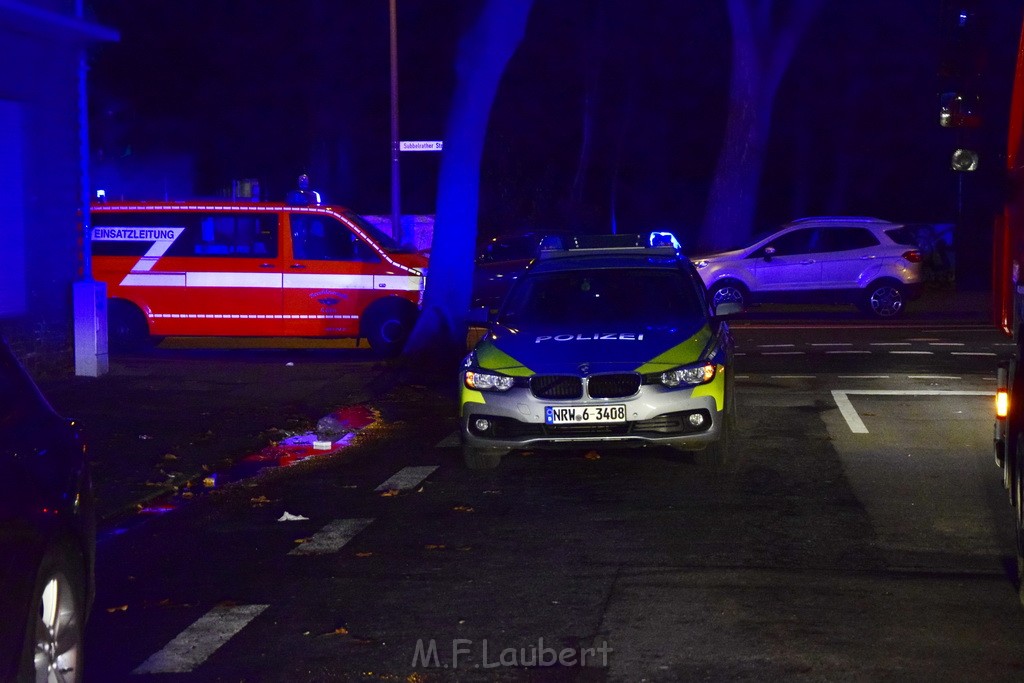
(270, 89)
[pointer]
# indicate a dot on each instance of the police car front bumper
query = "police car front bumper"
(685, 418)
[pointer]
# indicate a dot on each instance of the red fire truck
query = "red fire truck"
(252, 269)
(1008, 308)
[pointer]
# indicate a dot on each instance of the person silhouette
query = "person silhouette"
(303, 195)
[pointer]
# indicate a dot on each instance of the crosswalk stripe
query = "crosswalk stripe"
(332, 537)
(407, 478)
(195, 644)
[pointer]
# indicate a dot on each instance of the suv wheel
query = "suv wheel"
(885, 300)
(729, 292)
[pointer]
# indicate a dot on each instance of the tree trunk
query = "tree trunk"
(762, 48)
(484, 52)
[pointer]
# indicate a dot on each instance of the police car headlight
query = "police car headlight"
(701, 264)
(689, 376)
(486, 381)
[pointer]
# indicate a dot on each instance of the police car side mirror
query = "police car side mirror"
(768, 253)
(728, 309)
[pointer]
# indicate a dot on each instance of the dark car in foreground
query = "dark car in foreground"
(613, 346)
(47, 534)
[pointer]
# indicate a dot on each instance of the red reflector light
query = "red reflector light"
(1002, 404)
(914, 256)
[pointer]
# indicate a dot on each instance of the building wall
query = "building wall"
(41, 195)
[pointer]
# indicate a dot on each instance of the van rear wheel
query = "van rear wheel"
(387, 325)
(127, 328)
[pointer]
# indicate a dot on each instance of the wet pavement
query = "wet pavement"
(174, 422)
(171, 424)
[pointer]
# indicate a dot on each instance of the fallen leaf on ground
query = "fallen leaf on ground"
(463, 508)
(119, 608)
(592, 455)
(434, 546)
(390, 493)
(340, 631)
(170, 456)
(300, 540)
(259, 500)
(364, 554)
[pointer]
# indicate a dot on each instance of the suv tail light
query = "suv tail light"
(913, 256)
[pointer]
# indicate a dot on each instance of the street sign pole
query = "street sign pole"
(396, 197)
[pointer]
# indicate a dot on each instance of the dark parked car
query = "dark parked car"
(501, 261)
(47, 534)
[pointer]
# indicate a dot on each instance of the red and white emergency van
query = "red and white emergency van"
(252, 269)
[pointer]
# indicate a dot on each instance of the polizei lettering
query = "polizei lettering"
(135, 234)
(596, 336)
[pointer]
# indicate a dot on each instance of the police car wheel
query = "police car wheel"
(482, 458)
(716, 452)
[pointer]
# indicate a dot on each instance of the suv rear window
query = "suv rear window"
(905, 235)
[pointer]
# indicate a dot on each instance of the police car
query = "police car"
(606, 346)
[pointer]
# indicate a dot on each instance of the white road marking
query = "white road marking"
(450, 441)
(933, 377)
(332, 537)
(863, 376)
(784, 353)
(852, 351)
(890, 344)
(835, 344)
(407, 478)
(794, 376)
(853, 420)
(914, 353)
(195, 644)
(946, 344)
(775, 346)
(972, 353)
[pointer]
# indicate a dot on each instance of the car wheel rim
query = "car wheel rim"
(886, 302)
(392, 331)
(58, 633)
(728, 295)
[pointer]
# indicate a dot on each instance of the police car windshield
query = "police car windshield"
(638, 296)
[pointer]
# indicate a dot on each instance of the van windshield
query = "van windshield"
(382, 238)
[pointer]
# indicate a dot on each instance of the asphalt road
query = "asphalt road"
(858, 532)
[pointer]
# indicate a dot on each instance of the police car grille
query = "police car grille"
(583, 431)
(556, 386)
(613, 386)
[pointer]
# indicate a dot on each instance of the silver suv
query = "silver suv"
(831, 259)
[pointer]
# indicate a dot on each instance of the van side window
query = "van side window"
(242, 235)
(321, 238)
